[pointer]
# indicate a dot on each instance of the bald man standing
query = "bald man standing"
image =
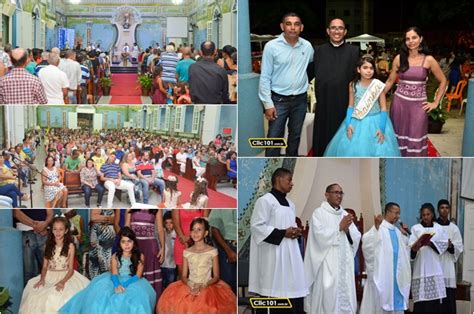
(182, 68)
(19, 86)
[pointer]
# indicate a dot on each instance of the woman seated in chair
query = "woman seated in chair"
(89, 181)
(55, 193)
(8, 181)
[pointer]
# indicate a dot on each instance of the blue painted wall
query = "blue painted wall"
(412, 182)
(199, 37)
(188, 121)
(252, 167)
(56, 115)
(105, 34)
(51, 38)
(228, 119)
(148, 34)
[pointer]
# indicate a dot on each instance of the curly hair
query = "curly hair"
(50, 246)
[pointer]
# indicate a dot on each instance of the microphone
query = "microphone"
(399, 225)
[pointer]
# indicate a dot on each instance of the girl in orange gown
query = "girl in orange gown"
(203, 291)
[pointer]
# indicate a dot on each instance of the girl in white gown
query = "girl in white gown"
(58, 281)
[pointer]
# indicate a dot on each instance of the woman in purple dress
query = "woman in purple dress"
(145, 222)
(410, 106)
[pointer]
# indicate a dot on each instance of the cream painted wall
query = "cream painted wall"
(468, 255)
(211, 123)
(359, 179)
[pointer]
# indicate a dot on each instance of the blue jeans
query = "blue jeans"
(228, 271)
(168, 276)
(33, 254)
(88, 192)
(160, 183)
(12, 191)
(293, 109)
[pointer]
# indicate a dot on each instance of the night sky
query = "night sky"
(389, 16)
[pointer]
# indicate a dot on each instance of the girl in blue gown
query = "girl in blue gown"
(121, 291)
(366, 130)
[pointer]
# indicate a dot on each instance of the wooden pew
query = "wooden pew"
(215, 173)
(190, 172)
(175, 166)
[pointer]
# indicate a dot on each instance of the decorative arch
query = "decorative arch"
(118, 14)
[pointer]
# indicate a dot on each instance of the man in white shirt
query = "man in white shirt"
(276, 265)
(333, 241)
(73, 71)
(450, 256)
(55, 81)
(387, 261)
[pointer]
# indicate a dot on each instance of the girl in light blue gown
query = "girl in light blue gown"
(121, 291)
(366, 130)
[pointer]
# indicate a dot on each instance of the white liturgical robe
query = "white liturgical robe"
(448, 260)
(329, 263)
(275, 270)
(379, 263)
(427, 277)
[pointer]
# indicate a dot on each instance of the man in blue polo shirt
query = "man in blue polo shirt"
(147, 174)
(33, 224)
(112, 176)
(284, 83)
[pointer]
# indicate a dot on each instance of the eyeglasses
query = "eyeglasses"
(337, 28)
(337, 193)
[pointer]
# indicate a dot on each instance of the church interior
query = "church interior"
(117, 28)
(368, 184)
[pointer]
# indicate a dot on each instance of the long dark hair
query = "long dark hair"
(205, 223)
(51, 242)
(404, 65)
(135, 258)
(200, 187)
(357, 77)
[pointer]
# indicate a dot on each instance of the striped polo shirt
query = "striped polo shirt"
(110, 170)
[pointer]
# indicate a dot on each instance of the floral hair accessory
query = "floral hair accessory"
(172, 178)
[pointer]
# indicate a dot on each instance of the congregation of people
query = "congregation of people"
(353, 115)
(132, 161)
(400, 263)
(80, 76)
(128, 261)
(184, 76)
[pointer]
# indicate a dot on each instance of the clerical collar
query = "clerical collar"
(430, 225)
(442, 222)
(337, 45)
(281, 197)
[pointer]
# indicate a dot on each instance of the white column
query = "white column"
(210, 129)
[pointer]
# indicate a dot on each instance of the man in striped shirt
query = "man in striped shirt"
(147, 174)
(84, 78)
(113, 180)
(169, 60)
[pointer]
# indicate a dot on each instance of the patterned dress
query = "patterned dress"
(410, 121)
(50, 192)
(102, 239)
(143, 224)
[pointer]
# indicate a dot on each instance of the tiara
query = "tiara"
(172, 178)
(201, 179)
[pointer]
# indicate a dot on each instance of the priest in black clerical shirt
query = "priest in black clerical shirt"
(334, 67)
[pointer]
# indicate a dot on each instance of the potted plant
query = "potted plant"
(436, 118)
(4, 300)
(146, 83)
(106, 84)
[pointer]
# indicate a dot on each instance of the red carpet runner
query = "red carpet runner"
(216, 199)
(125, 89)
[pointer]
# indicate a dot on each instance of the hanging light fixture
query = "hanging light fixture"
(177, 2)
(75, 1)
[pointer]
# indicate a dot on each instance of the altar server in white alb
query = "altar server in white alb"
(387, 262)
(427, 286)
(333, 241)
(276, 263)
(449, 258)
